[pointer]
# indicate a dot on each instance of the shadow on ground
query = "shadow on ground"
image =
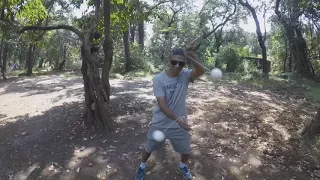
(239, 133)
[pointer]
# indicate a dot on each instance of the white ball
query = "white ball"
(216, 73)
(158, 135)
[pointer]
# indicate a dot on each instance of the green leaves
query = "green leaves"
(32, 12)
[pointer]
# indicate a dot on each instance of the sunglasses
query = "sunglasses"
(181, 64)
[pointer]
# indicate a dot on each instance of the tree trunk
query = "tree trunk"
(107, 48)
(96, 98)
(261, 39)
(5, 57)
(61, 65)
(1, 62)
(127, 51)
(218, 38)
(141, 34)
(30, 60)
(290, 61)
(286, 56)
(304, 65)
(87, 92)
(21, 59)
(132, 33)
(312, 129)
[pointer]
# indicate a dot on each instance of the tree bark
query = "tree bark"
(290, 61)
(141, 34)
(1, 60)
(259, 36)
(107, 48)
(286, 55)
(132, 33)
(5, 57)
(127, 51)
(62, 64)
(29, 63)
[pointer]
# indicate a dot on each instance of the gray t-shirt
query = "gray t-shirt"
(174, 89)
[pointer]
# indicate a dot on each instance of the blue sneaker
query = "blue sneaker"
(184, 172)
(140, 173)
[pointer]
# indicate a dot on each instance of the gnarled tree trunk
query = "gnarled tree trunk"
(96, 98)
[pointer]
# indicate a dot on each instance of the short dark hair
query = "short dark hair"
(178, 51)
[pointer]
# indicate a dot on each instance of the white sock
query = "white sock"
(182, 165)
(143, 165)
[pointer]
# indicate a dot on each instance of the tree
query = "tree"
(293, 30)
(97, 91)
(260, 37)
(3, 60)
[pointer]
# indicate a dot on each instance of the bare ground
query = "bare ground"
(240, 132)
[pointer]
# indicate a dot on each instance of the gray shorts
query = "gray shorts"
(179, 138)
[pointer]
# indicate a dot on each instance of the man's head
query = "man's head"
(177, 60)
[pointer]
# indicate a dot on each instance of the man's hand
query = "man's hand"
(183, 123)
(191, 49)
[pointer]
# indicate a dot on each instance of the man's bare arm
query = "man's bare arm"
(165, 109)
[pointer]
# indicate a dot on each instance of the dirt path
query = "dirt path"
(239, 133)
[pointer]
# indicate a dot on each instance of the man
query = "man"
(170, 88)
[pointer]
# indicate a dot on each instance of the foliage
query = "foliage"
(140, 60)
(229, 58)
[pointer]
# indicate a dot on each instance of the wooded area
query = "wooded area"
(40, 34)
(76, 87)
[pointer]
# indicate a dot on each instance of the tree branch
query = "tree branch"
(155, 6)
(49, 28)
(277, 9)
(220, 25)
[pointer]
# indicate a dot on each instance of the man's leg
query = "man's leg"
(150, 146)
(185, 158)
(145, 155)
(180, 141)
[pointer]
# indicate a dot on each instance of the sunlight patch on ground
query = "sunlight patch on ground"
(284, 132)
(268, 119)
(273, 105)
(78, 154)
(24, 174)
(258, 94)
(146, 97)
(254, 161)
(135, 117)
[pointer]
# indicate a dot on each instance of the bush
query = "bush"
(229, 57)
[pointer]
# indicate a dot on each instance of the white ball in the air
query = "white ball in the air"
(216, 73)
(158, 135)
